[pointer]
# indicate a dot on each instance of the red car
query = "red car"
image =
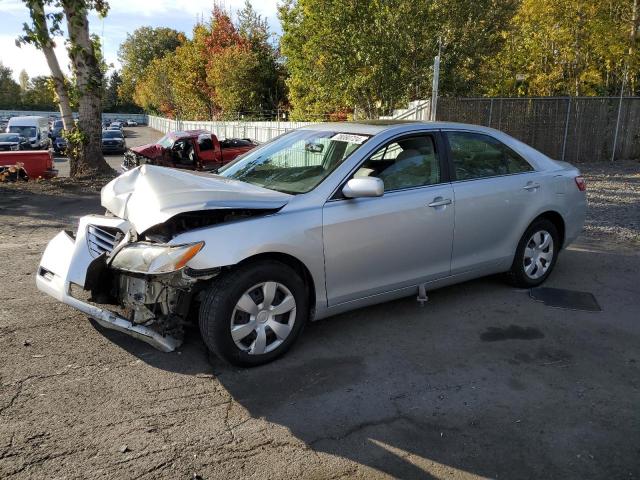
(37, 163)
(190, 150)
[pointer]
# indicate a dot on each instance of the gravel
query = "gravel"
(613, 191)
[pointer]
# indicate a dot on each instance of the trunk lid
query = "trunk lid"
(150, 195)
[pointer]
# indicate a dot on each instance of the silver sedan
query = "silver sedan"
(321, 220)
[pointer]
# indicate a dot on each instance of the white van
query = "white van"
(36, 129)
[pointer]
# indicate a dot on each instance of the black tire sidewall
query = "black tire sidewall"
(218, 306)
(518, 275)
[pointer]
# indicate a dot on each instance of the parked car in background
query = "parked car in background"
(131, 123)
(37, 163)
(13, 141)
(116, 126)
(190, 150)
(60, 145)
(113, 141)
(35, 128)
(322, 220)
(56, 129)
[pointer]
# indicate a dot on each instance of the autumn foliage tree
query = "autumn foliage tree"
(373, 56)
(226, 68)
(85, 139)
(574, 47)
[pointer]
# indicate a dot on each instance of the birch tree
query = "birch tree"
(85, 139)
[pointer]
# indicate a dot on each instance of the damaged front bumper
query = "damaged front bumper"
(71, 268)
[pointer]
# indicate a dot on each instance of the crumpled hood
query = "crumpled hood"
(151, 150)
(150, 195)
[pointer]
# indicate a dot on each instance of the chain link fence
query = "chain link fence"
(574, 129)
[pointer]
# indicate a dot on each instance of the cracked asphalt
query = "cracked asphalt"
(453, 389)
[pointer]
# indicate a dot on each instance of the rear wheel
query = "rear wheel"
(254, 313)
(536, 254)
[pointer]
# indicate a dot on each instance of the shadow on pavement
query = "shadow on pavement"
(419, 393)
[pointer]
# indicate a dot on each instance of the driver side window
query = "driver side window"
(406, 163)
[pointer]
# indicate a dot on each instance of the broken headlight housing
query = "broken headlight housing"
(153, 258)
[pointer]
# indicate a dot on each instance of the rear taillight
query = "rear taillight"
(581, 183)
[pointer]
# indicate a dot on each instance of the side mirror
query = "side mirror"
(363, 187)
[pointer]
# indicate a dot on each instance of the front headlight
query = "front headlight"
(144, 257)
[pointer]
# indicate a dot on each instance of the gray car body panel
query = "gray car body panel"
(362, 251)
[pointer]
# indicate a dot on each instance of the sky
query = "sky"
(124, 17)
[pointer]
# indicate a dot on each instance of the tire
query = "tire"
(222, 309)
(533, 261)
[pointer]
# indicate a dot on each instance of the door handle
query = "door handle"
(439, 202)
(531, 186)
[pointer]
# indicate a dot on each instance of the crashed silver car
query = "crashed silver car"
(321, 220)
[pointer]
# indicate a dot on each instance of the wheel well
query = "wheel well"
(294, 263)
(558, 222)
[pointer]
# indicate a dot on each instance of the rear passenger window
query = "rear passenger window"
(205, 143)
(406, 163)
(478, 156)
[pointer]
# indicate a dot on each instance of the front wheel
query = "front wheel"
(536, 255)
(254, 313)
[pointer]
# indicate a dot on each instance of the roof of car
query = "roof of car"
(188, 133)
(374, 127)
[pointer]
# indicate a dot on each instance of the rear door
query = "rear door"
(376, 245)
(494, 188)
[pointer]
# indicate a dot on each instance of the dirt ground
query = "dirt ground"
(480, 382)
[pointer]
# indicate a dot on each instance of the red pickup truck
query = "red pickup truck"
(37, 163)
(191, 150)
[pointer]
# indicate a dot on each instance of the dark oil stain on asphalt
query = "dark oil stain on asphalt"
(512, 332)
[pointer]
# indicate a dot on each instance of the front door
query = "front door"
(376, 245)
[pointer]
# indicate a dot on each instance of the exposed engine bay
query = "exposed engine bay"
(184, 222)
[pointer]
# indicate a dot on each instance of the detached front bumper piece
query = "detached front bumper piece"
(65, 264)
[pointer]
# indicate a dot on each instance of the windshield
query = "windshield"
(166, 141)
(296, 162)
(57, 124)
(111, 134)
(28, 132)
(9, 137)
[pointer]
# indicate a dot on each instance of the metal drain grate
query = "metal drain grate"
(569, 299)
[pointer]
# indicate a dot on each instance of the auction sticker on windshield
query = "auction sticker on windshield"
(350, 138)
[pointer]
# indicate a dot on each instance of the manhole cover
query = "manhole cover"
(569, 299)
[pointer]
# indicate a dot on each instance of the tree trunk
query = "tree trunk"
(40, 22)
(89, 82)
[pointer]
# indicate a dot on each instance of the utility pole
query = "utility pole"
(615, 135)
(436, 81)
